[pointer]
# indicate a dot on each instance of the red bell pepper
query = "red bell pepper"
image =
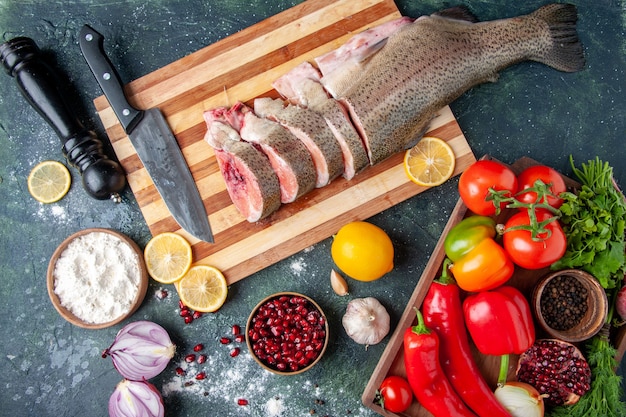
(499, 321)
(425, 375)
(443, 313)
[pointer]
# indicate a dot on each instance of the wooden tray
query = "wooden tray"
(242, 67)
(392, 359)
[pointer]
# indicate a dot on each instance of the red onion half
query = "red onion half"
(136, 399)
(141, 350)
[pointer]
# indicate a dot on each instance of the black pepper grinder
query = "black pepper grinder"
(102, 177)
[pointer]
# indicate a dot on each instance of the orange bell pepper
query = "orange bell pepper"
(479, 263)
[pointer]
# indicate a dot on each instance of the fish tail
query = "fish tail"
(566, 53)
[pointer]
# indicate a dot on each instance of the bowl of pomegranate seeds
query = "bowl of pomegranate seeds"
(570, 305)
(287, 333)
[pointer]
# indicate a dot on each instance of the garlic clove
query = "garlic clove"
(338, 283)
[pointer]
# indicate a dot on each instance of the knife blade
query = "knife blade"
(153, 141)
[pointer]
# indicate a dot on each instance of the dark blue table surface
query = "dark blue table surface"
(52, 368)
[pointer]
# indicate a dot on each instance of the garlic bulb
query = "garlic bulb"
(366, 321)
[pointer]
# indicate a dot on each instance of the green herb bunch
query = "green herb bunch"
(594, 221)
(594, 225)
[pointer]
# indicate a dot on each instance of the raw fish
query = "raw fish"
(250, 180)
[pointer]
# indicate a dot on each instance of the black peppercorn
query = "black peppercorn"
(563, 302)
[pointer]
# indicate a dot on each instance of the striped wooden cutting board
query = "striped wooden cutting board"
(242, 67)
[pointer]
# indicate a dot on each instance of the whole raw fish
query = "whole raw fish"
(427, 64)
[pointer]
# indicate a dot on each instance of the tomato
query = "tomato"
(396, 394)
(529, 253)
(546, 174)
(478, 178)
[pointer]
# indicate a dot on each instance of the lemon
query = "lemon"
(168, 257)
(363, 251)
(430, 162)
(49, 181)
(203, 288)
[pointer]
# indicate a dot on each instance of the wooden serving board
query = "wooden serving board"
(242, 67)
(392, 359)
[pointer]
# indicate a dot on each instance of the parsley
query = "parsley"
(594, 222)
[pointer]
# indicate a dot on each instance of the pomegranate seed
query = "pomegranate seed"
(240, 338)
(190, 358)
(184, 312)
(225, 340)
(196, 314)
(201, 359)
(201, 375)
(235, 352)
(242, 401)
(198, 347)
(181, 305)
(180, 371)
(188, 319)
(161, 294)
(236, 329)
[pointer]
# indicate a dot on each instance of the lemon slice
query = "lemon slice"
(430, 162)
(203, 288)
(49, 181)
(168, 257)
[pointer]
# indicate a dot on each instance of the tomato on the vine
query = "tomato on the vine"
(529, 253)
(395, 394)
(478, 178)
(548, 175)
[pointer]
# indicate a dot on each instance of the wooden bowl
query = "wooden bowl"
(266, 365)
(69, 315)
(597, 307)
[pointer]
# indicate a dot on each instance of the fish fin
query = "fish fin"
(458, 13)
(566, 53)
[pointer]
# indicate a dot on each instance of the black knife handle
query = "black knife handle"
(92, 46)
(102, 177)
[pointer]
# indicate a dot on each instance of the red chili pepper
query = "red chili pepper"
(429, 383)
(499, 321)
(443, 313)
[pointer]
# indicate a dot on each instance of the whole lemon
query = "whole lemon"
(362, 251)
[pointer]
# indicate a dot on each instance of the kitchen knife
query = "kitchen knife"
(153, 140)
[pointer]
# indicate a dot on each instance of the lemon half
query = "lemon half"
(430, 162)
(49, 181)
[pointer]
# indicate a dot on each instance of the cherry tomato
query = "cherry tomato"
(476, 180)
(396, 394)
(546, 174)
(529, 253)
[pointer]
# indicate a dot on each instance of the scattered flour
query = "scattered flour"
(298, 266)
(97, 277)
(274, 407)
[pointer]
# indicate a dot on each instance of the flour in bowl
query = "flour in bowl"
(97, 277)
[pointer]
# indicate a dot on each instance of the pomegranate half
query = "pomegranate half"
(557, 369)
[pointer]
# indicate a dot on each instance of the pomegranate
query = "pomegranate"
(287, 333)
(557, 369)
